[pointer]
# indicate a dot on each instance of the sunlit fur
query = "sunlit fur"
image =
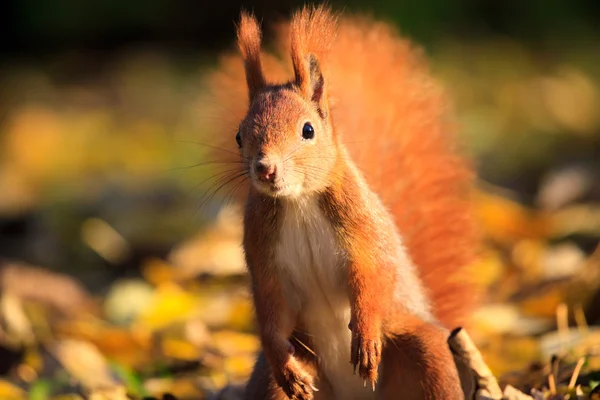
(398, 128)
(274, 127)
(249, 42)
(384, 141)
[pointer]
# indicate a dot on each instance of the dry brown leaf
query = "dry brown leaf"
(506, 221)
(127, 346)
(510, 393)
(15, 327)
(216, 251)
(61, 292)
(109, 393)
(85, 363)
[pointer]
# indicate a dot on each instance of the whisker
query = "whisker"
(209, 195)
(224, 173)
(319, 157)
(211, 146)
(295, 149)
(209, 198)
(222, 178)
(202, 164)
(356, 141)
(231, 193)
(312, 168)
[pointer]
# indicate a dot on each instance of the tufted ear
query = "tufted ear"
(314, 82)
(248, 38)
(311, 34)
(309, 78)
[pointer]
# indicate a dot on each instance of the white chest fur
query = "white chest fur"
(312, 271)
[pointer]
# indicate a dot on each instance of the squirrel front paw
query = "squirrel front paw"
(295, 382)
(365, 354)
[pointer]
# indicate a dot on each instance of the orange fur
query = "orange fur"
(249, 43)
(397, 126)
(409, 157)
(369, 92)
(305, 40)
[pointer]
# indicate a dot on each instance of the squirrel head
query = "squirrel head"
(287, 140)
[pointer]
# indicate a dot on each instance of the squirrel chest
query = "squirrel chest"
(311, 267)
(310, 262)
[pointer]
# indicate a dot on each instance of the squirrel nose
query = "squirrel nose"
(265, 171)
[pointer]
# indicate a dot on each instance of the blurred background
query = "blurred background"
(122, 272)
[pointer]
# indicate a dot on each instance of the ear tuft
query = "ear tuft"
(312, 32)
(249, 38)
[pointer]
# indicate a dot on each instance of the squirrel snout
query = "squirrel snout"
(265, 170)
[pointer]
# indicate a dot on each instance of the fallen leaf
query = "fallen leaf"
(9, 391)
(85, 363)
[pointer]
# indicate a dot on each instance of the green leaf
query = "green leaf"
(131, 380)
(40, 390)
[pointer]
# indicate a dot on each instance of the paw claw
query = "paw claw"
(296, 383)
(365, 356)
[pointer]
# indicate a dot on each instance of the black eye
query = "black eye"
(238, 139)
(308, 131)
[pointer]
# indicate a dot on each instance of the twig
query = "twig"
(552, 384)
(580, 319)
(576, 372)
(461, 344)
(562, 322)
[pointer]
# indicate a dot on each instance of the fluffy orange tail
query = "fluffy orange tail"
(395, 121)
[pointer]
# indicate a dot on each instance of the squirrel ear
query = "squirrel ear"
(248, 38)
(311, 82)
(316, 80)
(312, 31)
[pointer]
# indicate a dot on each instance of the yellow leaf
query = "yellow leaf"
(170, 303)
(157, 271)
(109, 393)
(179, 349)
(33, 359)
(242, 314)
(544, 303)
(240, 366)
(232, 343)
(489, 268)
(506, 221)
(180, 388)
(8, 391)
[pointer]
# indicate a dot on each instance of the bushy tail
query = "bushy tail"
(395, 121)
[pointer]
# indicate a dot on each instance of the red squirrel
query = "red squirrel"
(358, 233)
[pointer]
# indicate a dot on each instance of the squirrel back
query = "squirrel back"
(397, 127)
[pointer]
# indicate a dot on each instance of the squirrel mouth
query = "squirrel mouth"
(275, 189)
(278, 189)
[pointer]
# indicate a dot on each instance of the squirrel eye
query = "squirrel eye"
(238, 139)
(308, 131)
